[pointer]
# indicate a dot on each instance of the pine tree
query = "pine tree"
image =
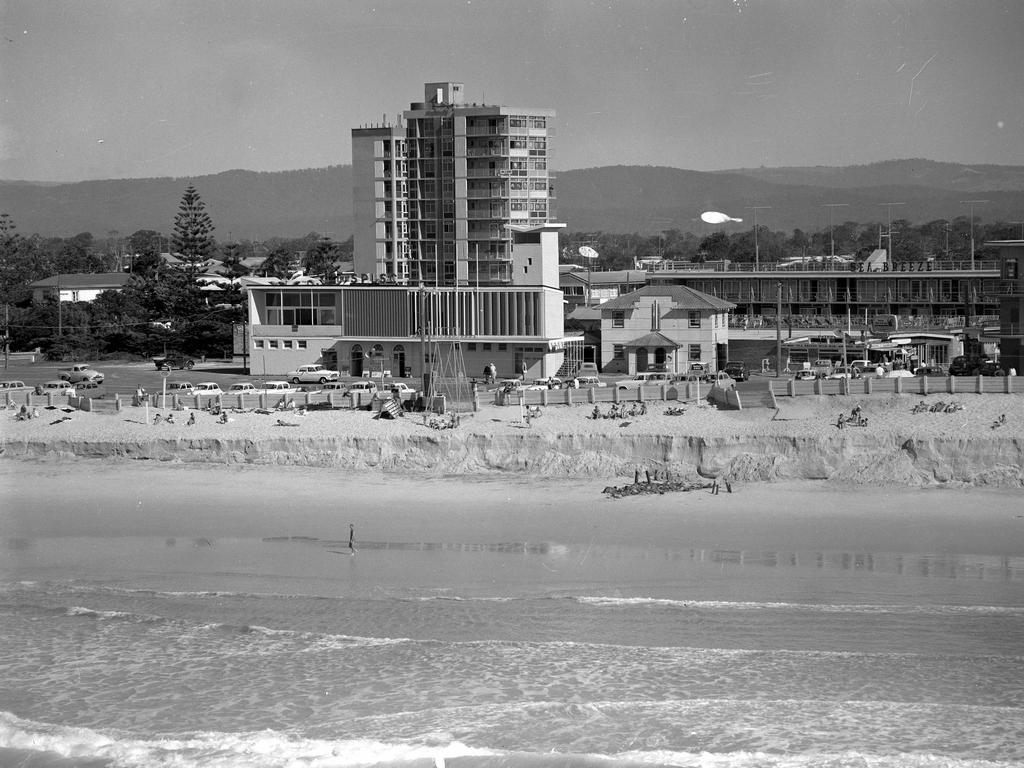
(193, 231)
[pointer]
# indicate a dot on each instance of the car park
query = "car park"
(737, 370)
(167, 362)
(211, 388)
(80, 372)
(314, 372)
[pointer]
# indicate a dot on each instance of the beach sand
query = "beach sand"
(979, 444)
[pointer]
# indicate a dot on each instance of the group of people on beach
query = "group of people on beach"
(620, 411)
(855, 419)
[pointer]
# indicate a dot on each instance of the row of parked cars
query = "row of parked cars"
(282, 387)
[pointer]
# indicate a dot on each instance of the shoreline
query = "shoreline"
(982, 444)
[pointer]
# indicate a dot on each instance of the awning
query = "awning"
(562, 343)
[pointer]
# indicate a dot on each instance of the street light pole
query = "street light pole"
(889, 253)
(972, 203)
(757, 251)
(778, 329)
(831, 239)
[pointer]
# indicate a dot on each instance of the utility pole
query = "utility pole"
(889, 254)
(832, 240)
(972, 203)
(757, 251)
(778, 329)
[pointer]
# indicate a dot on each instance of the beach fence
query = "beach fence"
(906, 385)
(726, 397)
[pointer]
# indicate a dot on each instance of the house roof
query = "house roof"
(681, 297)
(653, 339)
(80, 280)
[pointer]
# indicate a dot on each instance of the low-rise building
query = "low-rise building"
(78, 286)
(665, 326)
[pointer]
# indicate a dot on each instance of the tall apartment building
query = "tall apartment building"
(436, 194)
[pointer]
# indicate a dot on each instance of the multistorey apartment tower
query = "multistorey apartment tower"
(437, 193)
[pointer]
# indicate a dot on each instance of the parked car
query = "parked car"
(243, 388)
(312, 373)
(277, 388)
(180, 388)
(400, 387)
(207, 388)
(737, 369)
(586, 382)
(898, 373)
(60, 387)
(362, 387)
(87, 384)
(167, 362)
(700, 370)
(843, 372)
(546, 383)
(335, 386)
(990, 368)
(510, 385)
(648, 378)
(930, 370)
(805, 374)
(8, 386)
(80, 372)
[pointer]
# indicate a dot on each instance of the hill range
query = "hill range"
(614, 199)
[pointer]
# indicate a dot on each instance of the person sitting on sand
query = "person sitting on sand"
(223, 417)
(191, 418)
(840, 421)
(170, 418)
(157, 418)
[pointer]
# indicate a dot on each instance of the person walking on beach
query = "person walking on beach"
(351, 539)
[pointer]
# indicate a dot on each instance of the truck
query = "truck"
(80, 372)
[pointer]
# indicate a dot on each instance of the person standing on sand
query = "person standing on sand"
(351, 539)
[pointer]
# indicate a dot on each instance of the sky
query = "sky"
(144, 88)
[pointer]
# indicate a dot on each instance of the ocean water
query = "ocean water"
(143, 628)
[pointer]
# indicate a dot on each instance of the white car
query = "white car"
(898, 373)
(315, 373)
(208, 388)
(180, 388)
(60, 387)
(585, 382)
(243, 388)
(401, 387)
(650, 379)
(365, 387)
(545, 383)
(277, 388)
(8, 386)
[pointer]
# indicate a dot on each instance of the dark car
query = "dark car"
(737, 370)
(167, 362)
(990, 368)
(973, 365)
(930, 370)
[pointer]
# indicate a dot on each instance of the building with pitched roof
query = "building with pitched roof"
(78, 286)
(664, 327)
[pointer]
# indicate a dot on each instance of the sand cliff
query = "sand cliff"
(981, 444)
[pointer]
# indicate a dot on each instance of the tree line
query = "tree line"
(162, 308)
